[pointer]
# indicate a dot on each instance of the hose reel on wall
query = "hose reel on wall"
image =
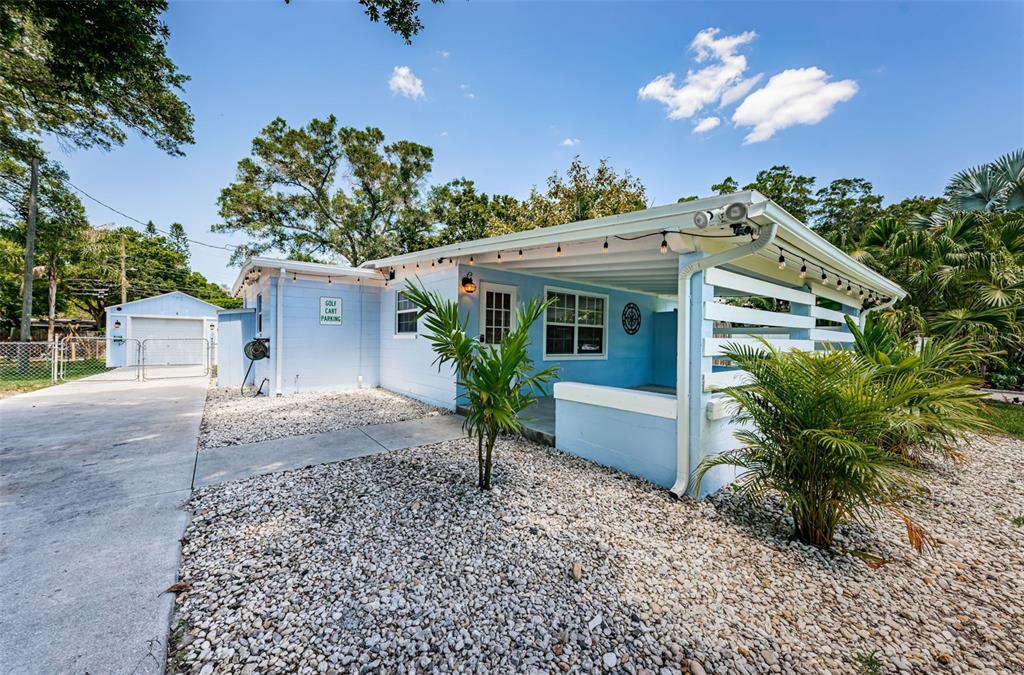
(255, 350)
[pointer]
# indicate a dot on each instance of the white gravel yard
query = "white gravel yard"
(233, 419)
(397, 563)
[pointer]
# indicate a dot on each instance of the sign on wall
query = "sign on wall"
(631, 318)
(330, 311)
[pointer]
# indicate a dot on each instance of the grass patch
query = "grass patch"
(1006, 417)
(12, 382)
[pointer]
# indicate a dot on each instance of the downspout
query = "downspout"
(279, 321)
(683, 371)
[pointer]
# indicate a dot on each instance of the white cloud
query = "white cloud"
(739, 90)
(708, 84)
(706, 124)
(444, 134)
(570, 143)
(444, 54)
(795, 96)
(470, 95)
(404, 82)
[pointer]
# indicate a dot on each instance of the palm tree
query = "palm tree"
(813, 428)
(995, 187)
(498, 381)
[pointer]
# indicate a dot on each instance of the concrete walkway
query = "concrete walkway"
(234, 462)
(93, 480)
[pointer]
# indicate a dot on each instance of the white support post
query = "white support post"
(279, 330)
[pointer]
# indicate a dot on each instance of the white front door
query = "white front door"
(497, 311)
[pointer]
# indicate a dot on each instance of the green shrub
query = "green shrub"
(816, 429)
(942, 374)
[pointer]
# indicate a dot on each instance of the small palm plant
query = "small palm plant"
(813, 426)
(942, 372)
(499, 381)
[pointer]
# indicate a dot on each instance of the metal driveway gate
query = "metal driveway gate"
(89, 359)
(175, 357)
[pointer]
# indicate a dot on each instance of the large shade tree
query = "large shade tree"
(323, 190)
(88, 72)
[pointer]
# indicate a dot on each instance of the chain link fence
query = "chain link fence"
(27, 365)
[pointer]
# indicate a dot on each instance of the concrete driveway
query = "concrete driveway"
(94, 477)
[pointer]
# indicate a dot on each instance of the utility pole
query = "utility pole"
(30, 252)
(124, 274)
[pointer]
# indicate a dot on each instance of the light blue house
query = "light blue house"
(644, 303)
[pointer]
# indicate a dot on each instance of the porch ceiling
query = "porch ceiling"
(634, 265)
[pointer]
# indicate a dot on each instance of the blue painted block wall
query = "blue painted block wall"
(235, 327)
(666, 327)
(642, 445)
(406, 360)
(330, 356)
(631, 358)
(316, 356)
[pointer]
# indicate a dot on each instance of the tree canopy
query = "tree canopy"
(400, 16)
(88, 72)
(322, 189)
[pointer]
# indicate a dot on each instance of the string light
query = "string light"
(664, 243)
(782, 260)
(470, 260)
(824, 277)
(839, 283)
(329, 280)
(521, 254)
(849, 288)
(499, 256)
(604, 248)
(862, 293)
(803, 270)
(558, 251)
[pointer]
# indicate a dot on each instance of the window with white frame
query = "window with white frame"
(405, 314)
(575, 325)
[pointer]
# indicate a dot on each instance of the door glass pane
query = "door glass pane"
(497, 316)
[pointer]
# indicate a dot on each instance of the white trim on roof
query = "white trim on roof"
(161, 295)
(275, 265)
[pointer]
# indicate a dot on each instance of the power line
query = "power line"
(136, 220)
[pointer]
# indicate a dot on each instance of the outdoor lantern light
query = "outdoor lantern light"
(117, 323)
(468, 285)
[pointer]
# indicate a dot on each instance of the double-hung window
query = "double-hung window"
(405, 315)
(575, 325)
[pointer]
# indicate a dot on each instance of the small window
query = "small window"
(575, 325)
(497, 317)
(405, 314)
(259, 312)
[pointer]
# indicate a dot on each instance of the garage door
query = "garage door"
(170, 342)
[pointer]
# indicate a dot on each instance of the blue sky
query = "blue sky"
(903, 94)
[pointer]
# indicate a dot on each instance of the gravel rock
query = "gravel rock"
(331, 565)
(232, 419)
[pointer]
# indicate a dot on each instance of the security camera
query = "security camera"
(703, 218)
(735, 213)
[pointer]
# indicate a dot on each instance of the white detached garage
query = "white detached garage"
(173, 329)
